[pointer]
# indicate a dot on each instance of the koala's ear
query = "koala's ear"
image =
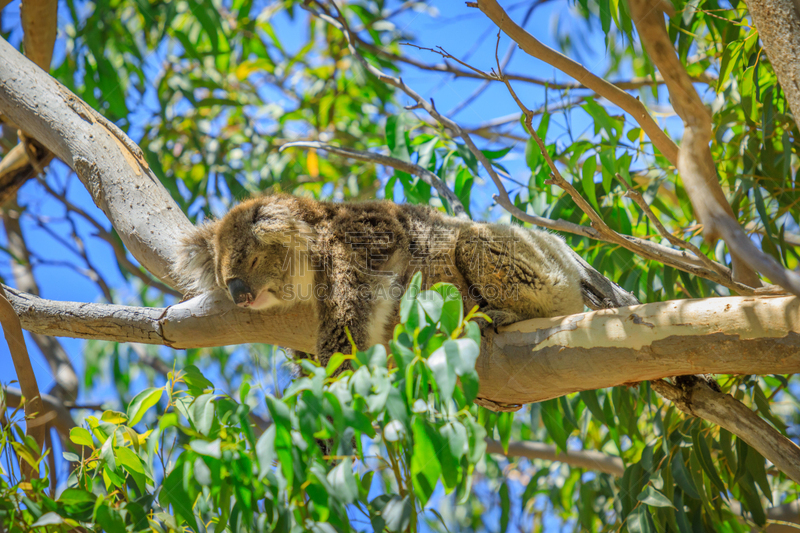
(277, 223)
(194, 262)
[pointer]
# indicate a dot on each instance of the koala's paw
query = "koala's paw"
(498, 317)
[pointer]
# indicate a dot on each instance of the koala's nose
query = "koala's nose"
(240, 292)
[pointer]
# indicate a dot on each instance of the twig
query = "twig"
(16, 169)
(446, 68)
(717, 273)
(603, 88)
(636, 196)
(452, 202)
(58, 413)
(119, 251)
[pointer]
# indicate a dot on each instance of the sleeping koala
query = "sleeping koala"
(353, 261)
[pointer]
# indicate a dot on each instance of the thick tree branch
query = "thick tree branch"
(109, 164)
(778, 25)
(700, 400)
(527, 362)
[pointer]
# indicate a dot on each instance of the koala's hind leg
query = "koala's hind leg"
(515, 274)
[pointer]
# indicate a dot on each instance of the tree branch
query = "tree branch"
(60, 365)
(34, 421)
(700, 400)
(778, 25)
(708, 268)
(527, 362)
(600, 86)
(447, 68)
(39, 24)
(16, 169)
(587, 459)
(695, 163)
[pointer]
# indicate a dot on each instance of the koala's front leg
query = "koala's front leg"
(347, 306)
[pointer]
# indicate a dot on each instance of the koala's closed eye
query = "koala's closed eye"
(254, 263)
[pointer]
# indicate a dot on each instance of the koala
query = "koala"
(353, 261)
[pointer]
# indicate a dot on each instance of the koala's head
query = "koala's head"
(252, 252)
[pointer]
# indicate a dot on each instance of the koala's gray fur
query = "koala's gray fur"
(353, 261)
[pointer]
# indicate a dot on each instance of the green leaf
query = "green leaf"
(201, 413)
(265, 451)
(396, 137)
(704, 454)
(343, 482)
(587, 181)
(751, 499)
(452, 312)
(409, 299)
(505, 422)
(762, 212)
(48, 519)
(463, 186)
(175, 494)
(682, 477)
(455, 434)
(141, 403)
(81, 437)
(279, 412)
(462, 355)
(532, 487)
(107, 453)
(639, 521)
(444, 373)
(394, 512)
(432, 302)
(552, 418)
(589, 398)
(195, 380)
(425, 467)
(210, 449)
(756, 467)
(654, 498)
(76, 496)
(505, 507)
